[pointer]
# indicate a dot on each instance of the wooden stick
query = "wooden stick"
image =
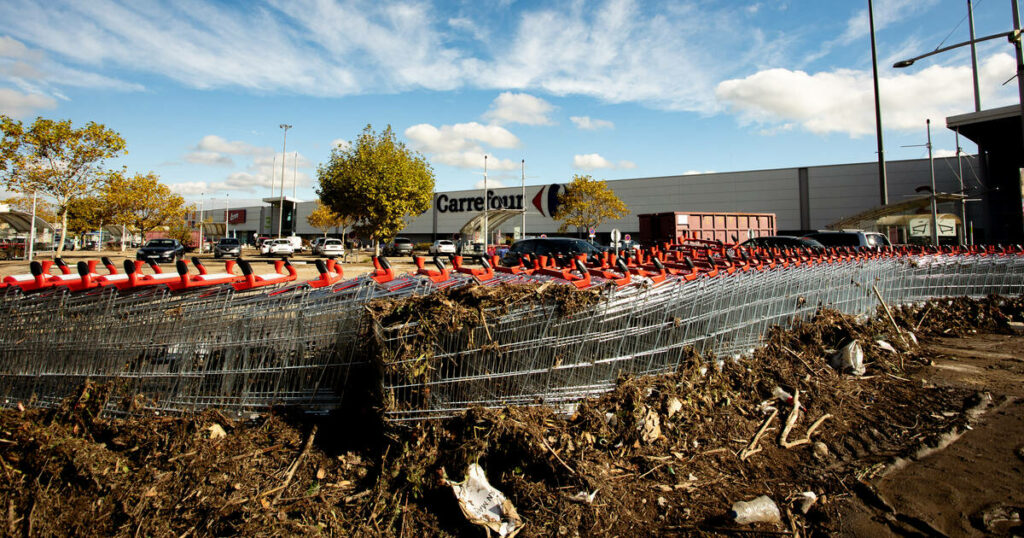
(555, 454)
(295, 466)
(791, 421)
(899, 332)
(752, 448)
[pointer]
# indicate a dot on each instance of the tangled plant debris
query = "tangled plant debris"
(657, 455)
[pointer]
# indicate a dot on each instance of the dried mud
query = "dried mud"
(659, 455)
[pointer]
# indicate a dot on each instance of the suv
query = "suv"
(228, 246)
(399, 246)
(849, 238)
(549, 246)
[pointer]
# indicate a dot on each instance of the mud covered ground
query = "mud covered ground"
(657, 456)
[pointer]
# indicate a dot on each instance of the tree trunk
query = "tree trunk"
(63, 232)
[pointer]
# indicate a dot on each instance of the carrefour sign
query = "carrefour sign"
(463, 204)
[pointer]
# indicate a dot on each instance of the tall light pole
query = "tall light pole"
(883, 186)
(295, 173)
(202, 198)
(486, 206)
(284, 147)
(227, 213)
(1013, 37)
(974, 58)
(931, 166)
(522, 234)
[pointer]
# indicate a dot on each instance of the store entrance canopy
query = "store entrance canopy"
(22, 222)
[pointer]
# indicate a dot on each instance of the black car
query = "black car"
(161, 250)
(550, 246)
(228, 246)
(781, 241)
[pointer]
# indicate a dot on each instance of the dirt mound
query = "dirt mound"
(666, 454)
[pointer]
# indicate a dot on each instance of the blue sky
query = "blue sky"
(615, 89)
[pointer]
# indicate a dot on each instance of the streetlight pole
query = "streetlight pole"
(202, 199)
(963, 201)
(883, 186)
(284, 147)
(931, 166)
(227, 213)
(486, 206)
(974, 57)
(522, 234)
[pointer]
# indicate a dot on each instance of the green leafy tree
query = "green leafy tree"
(55, 159)
(377, 182)
(141, 202)
(587, 203)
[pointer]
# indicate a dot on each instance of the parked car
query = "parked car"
(442, 246)
(161, 250)
(314, 245)
(332, 247)
(849, 238)
(400, 246)
(277, 247)
(781, 241)
(549, 246)
(228, 246)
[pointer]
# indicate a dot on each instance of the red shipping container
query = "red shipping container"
(677, 226)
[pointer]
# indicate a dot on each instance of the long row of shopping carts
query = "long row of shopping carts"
(237, 340)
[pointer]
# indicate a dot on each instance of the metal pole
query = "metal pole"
(963, 201)
(931, 166)
(227, 213)
(1020, 61)
(284, 147)
(30, 242)
(522, 233)
(883, 187)
(273, 177)
(974, 57)
(202, 199)
(295, 173)
(486, 206)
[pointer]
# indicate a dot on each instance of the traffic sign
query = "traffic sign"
(616, 235)
(626, 238)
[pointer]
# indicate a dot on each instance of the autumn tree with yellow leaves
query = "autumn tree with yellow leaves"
(141, 202)
(587, 203)
(55, 159)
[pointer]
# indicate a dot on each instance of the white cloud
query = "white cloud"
(522, 108)
(462, 145)
(939, 153)
(211, 158)
(591, 124)
(189, 188)
(842, 101)
(593, 161)
(340, 143)
(697, 172)
(615, 50)
(20, 105)
(461, 136)
(217, 144)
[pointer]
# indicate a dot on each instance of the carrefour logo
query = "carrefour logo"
(463, 204)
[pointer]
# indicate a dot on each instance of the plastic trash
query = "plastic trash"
(484, 505)
(782, 395)
(849, 359)
(759, 510)
(886, 346)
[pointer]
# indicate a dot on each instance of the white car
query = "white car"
(332, 247)
(442, 246)
(277, 247)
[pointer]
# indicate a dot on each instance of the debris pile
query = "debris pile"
(661, 454)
